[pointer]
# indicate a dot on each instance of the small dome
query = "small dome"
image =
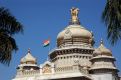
(104, 50)
(28, 58)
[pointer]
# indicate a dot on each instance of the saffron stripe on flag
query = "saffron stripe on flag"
(46, 43)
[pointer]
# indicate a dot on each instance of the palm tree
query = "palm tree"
(9, 26)
(112, 18)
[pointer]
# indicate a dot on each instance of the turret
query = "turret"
(27, 63)
(103, 64)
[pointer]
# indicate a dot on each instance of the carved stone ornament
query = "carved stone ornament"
(68, 34)
(47, 69)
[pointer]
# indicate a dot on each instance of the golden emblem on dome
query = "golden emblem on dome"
(74, 14)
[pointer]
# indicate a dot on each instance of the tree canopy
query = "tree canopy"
(9, 26)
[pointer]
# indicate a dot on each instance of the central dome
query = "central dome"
(75, 31)
(75, 34)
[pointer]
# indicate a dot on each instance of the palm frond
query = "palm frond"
(8, 22)
(7, 46)
(112, 18)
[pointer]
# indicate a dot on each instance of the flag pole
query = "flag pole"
(47, 44)
(48, 52)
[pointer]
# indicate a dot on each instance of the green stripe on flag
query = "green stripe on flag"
(45, 45)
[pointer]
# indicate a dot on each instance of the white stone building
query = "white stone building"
(75, 58)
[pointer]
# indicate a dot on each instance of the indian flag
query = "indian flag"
(46, 43)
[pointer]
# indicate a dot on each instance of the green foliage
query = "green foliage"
(9, 26)
(112, 18)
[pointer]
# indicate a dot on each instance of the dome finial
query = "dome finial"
(29, 51)
(101, 42)
(74, 16)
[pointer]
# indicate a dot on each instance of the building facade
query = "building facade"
(75, 58)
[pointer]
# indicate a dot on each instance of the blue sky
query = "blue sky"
(43, 19)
